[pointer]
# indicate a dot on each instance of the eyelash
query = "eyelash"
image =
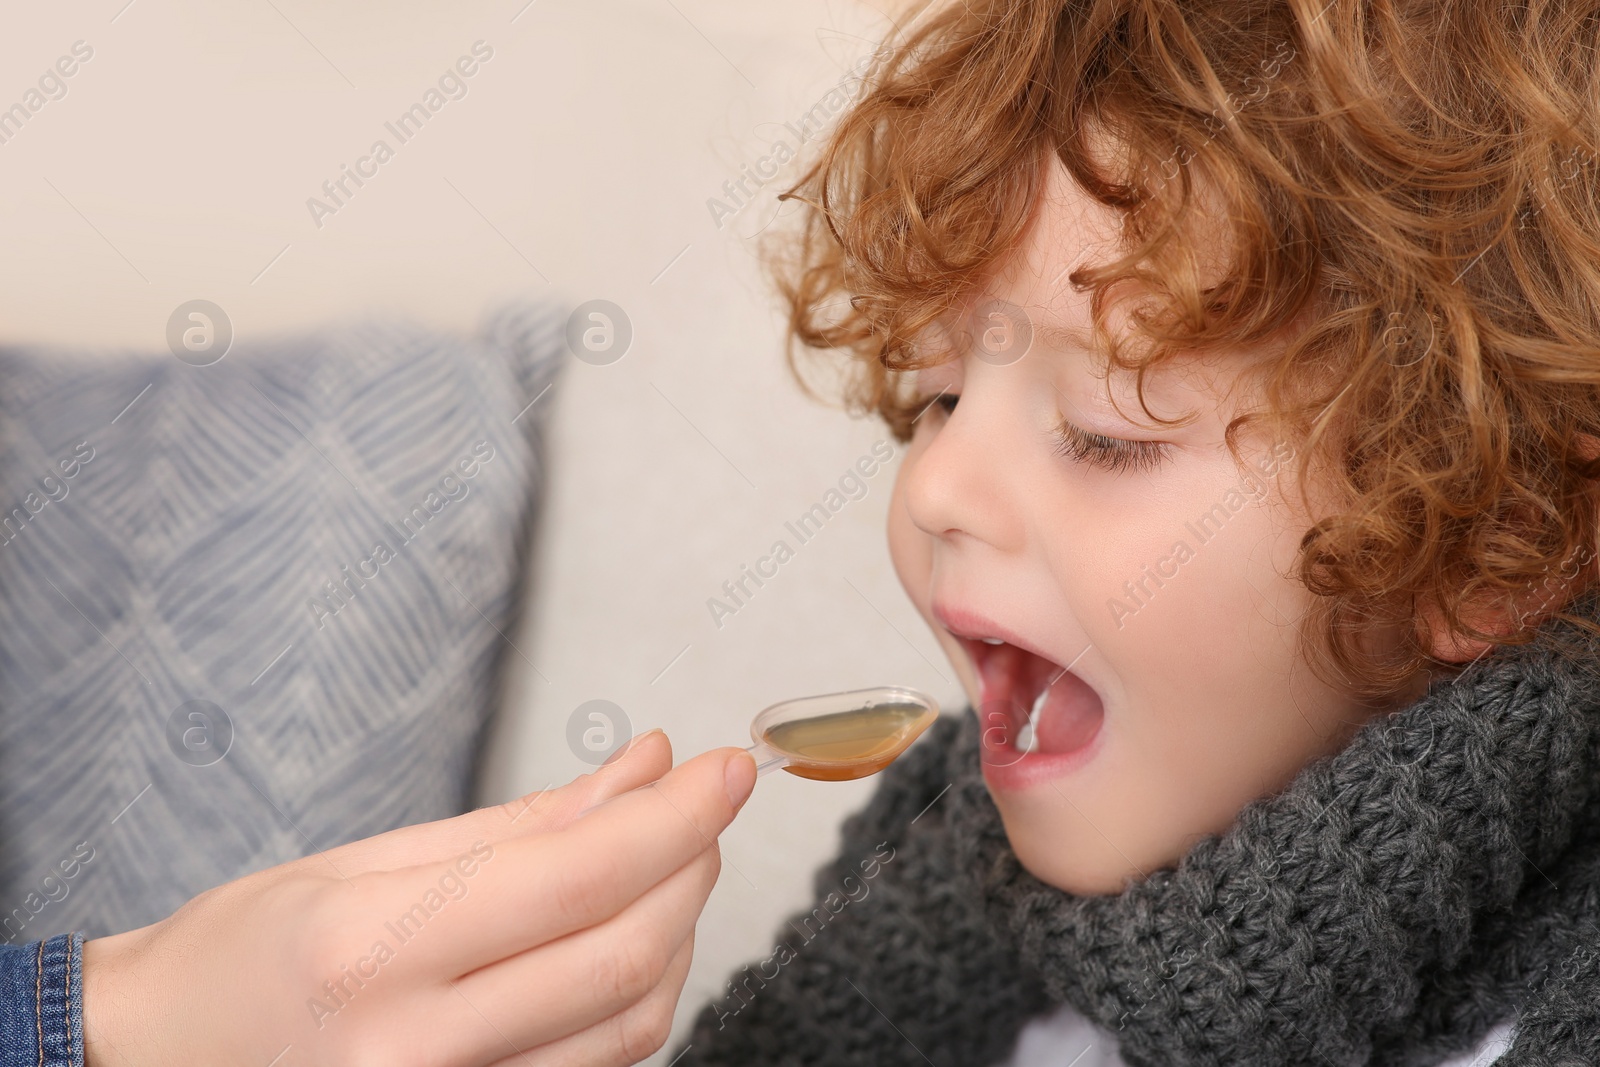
(1111, 454)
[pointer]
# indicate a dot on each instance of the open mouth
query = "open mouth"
(1030, 706)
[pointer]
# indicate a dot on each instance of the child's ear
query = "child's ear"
(1455, 648)
(1452, 648)
(1549, 597)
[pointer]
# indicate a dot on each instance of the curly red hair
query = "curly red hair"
(1417, 182)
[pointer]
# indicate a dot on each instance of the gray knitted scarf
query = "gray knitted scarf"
(1438, 875)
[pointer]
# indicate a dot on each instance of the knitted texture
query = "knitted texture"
(1438, 875)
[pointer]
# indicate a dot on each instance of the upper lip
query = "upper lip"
(970, 626)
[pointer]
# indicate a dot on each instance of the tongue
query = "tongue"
(1069, 717)
(1071, 711)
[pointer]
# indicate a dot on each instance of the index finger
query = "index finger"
(533, 889)
(645, 758)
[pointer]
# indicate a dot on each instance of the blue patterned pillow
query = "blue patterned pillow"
(254, 609)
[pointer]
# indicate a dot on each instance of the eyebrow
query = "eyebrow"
(1099, 403)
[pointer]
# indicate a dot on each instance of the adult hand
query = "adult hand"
(555, 929)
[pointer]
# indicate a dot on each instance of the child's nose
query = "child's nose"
(957, 484)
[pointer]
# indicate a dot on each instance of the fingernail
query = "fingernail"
(739, 774)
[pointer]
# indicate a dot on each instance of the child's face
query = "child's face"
(1185, 698)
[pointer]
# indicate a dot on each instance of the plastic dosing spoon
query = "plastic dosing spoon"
(839, 736)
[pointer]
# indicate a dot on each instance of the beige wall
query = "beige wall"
(578, 165)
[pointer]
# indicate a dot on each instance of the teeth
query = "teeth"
(991, 641)
(1026, 736)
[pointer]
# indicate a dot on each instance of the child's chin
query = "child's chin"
(1063, 851)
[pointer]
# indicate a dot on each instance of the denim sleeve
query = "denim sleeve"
(41, 1003)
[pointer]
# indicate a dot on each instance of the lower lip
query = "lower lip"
(1007, 767)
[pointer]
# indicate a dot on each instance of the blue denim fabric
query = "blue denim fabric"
(41, 1003)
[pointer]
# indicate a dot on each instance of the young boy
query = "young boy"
(1248, 355)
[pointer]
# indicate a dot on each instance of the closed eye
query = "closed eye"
(1112, 454)
(945, 401)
